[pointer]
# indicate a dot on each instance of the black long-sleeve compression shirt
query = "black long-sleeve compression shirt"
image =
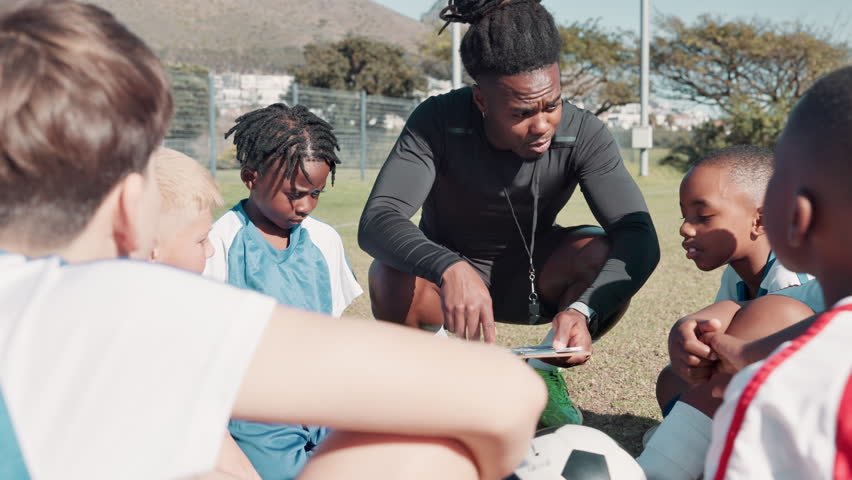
(443, 163)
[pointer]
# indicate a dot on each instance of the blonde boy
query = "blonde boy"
(188, 196)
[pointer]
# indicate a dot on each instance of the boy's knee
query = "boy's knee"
(767, 315)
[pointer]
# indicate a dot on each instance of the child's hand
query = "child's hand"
(730, 351)
(692, 359)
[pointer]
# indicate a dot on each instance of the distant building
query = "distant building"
(662, 114)
(235, 91)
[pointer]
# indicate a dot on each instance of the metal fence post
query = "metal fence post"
(211, 123)
(295, 94)
(363, 134)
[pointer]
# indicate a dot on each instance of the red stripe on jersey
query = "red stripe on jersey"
(843, 440)
(769, 366)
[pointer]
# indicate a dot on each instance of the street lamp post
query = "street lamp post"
(644, 92)
(457, 74)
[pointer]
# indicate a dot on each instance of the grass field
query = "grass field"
(615, 389)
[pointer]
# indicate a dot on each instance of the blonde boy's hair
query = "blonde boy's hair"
(185, 186)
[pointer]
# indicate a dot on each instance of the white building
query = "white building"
(236, 91)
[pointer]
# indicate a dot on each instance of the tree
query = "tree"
(599, 67)
(190, 97)
(751, 72)
(436, 52)
(358, 63)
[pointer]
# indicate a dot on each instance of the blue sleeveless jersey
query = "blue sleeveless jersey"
(312, 274)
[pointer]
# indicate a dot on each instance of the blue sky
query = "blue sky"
(835, 15)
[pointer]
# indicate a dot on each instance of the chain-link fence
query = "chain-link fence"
(366, 126)
(207, 105)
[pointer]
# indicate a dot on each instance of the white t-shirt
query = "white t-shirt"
(790, 416)
(776, 277)
(121, 369)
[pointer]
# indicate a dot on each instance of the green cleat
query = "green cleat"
(560, 410)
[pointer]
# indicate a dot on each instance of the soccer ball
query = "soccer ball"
(576, 452)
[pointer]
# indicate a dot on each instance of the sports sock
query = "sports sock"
(438, 331)
(677, 450)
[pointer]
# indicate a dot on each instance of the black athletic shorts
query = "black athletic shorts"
(507, 276)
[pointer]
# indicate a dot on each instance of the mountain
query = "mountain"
(257, 36)
(431, 15)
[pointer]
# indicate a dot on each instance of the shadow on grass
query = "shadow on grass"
(625, 428)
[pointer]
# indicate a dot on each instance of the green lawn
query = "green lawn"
(616, 388)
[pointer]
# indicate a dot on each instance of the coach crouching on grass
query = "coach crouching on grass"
(490, 165)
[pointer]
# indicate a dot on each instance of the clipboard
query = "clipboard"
(543, 351)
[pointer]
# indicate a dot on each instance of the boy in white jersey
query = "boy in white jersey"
(124, 369)
(789, 416)
(270, 243)
(721, 199)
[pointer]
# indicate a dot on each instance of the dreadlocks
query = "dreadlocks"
(278, 133)
(505, 37)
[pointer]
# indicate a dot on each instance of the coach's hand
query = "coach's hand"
(691, 359)
(467, 304)
(571, 329)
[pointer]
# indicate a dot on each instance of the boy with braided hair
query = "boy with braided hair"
(269, 243)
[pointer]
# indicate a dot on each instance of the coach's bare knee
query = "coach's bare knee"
(573, 267)
(391, 292)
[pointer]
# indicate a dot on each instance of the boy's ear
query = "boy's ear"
(249, 178)
(127, 223)
(801, 219)
(757, 227)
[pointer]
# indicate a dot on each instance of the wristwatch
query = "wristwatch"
(586, 310)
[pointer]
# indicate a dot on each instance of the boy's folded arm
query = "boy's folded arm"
(376, 381)
(690, 357)
(736, 354)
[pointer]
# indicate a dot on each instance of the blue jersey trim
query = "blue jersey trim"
(12, 466)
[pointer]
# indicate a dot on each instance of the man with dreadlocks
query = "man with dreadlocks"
(491, 166)
(269, 243)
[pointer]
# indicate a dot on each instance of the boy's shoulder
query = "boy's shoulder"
(230, 223)
(778, 277)
(318, 228)
(135, 319)
(51, 277)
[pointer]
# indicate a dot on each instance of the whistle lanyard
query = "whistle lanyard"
(534, 307)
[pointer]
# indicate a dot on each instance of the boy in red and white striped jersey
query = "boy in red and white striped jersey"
(790, 416)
